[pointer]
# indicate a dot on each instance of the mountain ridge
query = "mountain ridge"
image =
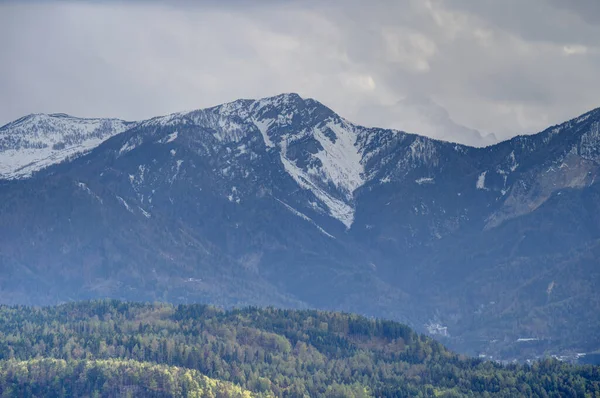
(281, 201)
(286, 97)
(578, 118)
(348, 178)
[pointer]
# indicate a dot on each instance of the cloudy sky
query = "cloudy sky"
(503, 67)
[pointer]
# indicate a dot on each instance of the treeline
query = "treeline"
(269, 352)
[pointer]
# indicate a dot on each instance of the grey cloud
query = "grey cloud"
(556, 21)
(588, 10)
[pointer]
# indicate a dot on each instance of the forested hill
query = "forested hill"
(112, 348)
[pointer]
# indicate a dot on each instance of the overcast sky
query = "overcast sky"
(505, 67)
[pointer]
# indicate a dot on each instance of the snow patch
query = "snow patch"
(305, 217)
(341, 160)
(263, 127)
(178, 164)
(481, 181)
(550, 287)
(128, 146)
(89, 191)
(233, 196)
(337, 208)
(514, 164)
(172, 137)
(124, 203)
(526, 339)
(425, 180)
(423, 150)
(228, 130)
(583, 118)
(339, 166)
(144, 212)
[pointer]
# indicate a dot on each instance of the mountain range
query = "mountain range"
(280, 201)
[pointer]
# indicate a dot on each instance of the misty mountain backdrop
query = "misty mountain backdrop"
(281, 201)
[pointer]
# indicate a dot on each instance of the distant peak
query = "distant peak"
(418, 99)
(31, 118)
(285, 104)
(285, 99)
(53, 118)
(288, 97)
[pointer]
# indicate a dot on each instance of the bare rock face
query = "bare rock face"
(573, 171)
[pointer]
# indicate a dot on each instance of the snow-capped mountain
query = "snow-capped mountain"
(37, 141)
(282, 201)
(317, 148)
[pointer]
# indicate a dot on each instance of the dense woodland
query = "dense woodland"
(112, 348)
(51, 377)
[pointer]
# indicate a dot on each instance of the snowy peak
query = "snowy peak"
(275, 117)
(316, 147)
(284, 103)
(36, 141)
(235, 120)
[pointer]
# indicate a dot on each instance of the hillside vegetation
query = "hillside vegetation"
(50, 377)
(112, 348)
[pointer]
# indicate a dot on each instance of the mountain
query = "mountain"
(113, 349)
(281, 201)
(37, 141)
(422, 115)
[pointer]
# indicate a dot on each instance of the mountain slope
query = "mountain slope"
(281, 201)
